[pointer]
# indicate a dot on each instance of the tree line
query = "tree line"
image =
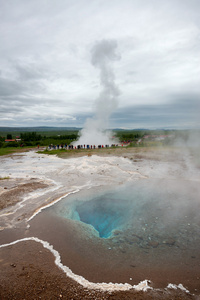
(34, 139)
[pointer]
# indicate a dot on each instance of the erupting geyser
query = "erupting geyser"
(95, 129)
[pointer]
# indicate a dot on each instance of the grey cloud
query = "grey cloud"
(30, 72)
(181, 112)
(45, 59)
(9, 87)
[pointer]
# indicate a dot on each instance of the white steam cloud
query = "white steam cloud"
(95, 129)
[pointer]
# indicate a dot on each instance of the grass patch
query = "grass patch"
(51, 152)
(63, 153)
(9, 150)
(4, 178)
(155, 153)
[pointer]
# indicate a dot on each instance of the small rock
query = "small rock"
(13, 265)
(153, 244)
(123, 251)
(169, 241)
(117, 232)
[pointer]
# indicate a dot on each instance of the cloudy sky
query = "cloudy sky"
(46, 74)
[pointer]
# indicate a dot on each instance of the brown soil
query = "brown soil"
(11, 193)
(28, 272)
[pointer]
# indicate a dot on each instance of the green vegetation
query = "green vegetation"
(59, 136)
(129, 135)
(135, 135)
(4, 178)
(30, 136)
(63, 153)
(32, 139)
(6, 151)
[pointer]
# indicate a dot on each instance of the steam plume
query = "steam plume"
(94, 131)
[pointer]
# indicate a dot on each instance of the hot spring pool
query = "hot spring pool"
(145, 207)
(144, 229)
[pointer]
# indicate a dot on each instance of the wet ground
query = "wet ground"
(148, 233)
(127, 255)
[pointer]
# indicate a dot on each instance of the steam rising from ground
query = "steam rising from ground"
(94, 131)
(167, 230)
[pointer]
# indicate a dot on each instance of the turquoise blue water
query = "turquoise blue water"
(104, 213)
(154, 210)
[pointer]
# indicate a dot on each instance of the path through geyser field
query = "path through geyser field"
(147, 229)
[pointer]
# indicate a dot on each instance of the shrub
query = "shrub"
(11, 144)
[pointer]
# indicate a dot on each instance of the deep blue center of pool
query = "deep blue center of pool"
(103, 214)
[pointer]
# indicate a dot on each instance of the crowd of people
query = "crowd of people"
(70, 147)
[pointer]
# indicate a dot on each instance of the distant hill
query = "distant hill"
(57, 130)
(134, 129)
(37, 129)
